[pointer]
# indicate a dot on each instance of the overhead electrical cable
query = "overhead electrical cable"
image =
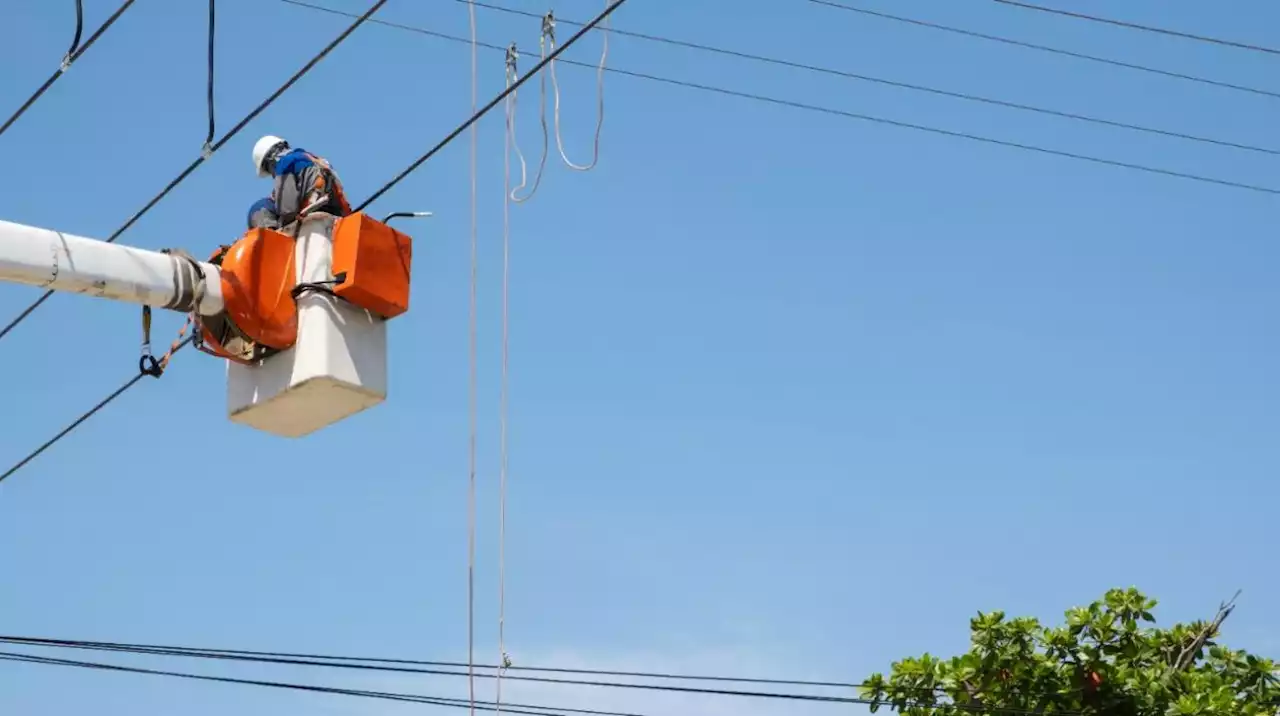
(475, 117)
(1045, 48)
(207, 149)
(360, 20)
(526, 709)
(243, 122)
(511, 708)
(205, 652)
(75, 41)
(473, 370)
(70, 58)
(908, 86)
(512, 72)
(1104, 161)
(88, 414)
(1144, 28)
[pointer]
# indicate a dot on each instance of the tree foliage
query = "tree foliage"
(1107, 660)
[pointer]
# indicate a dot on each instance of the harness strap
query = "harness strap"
(328, 182)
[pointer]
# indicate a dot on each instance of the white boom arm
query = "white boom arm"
(336, 368)
(62, 262)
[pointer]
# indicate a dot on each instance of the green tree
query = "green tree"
(1107, 660)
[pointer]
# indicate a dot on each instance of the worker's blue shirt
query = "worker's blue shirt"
(295, 162)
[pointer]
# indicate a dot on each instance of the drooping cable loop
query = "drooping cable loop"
(482, 111)
(513, 103)
(898, 84)
(549, 31)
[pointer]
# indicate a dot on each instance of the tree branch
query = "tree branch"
(1210, 630)
(973, 694)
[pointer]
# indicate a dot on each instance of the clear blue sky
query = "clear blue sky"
(791, 394)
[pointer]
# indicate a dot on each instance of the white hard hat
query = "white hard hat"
(261, 149)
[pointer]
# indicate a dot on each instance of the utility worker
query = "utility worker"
(263, 214)
(300, 179)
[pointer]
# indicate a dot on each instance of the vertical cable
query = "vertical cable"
(75, 41)
(208, 141)
(507, 142)
(471, 485)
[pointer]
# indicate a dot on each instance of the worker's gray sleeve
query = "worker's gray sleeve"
(284, 192)
(293, 193)
(264, 218)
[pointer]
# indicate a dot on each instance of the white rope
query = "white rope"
(507, 198)
(471, 487)
(555, 84)
(514, 193)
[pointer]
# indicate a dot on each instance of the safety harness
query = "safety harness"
(326, 183)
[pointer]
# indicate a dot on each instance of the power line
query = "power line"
(75, 41)
(816, 698)
(475, 117)
(87, 414)
(1144, 28)
(847, 114)
(405, 669)
(527, 709)
(472, 371)
(1046, 48)
(214, 653)
(77, 50)
(507, 134)
(905, 85)
(491, 706)
(208, 141)
(360, 20)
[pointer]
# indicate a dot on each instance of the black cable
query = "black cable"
(208, 141)
(901, 85)
(202, 652)
(614, 5)
(11, 656)
(1046, 48)
(75, 42)
(83, 417)
(845, 114)
(1144, 28)
(385, 695)
(67, 61)
(216, 146)
(242, 657)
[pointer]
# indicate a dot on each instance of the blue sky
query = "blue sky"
(791, 394)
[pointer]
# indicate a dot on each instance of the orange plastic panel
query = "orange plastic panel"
(257, 278)
(374, 261)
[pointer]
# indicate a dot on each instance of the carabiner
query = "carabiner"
(147, 364)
